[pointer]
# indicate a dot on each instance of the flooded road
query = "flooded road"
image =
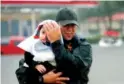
(107, 67)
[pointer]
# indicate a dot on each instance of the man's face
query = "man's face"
(68, 31)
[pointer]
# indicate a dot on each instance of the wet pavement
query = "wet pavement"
(107, 67)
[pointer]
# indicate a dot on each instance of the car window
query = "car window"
(16, 42)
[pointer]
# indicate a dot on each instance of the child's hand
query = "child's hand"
(40, 68)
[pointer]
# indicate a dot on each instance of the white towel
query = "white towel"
(40, 51)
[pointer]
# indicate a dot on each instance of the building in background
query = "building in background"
(20, 17)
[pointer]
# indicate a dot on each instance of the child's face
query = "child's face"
(43, 37)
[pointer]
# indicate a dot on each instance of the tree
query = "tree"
(105, 8)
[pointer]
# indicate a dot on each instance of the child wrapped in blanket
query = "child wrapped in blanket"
(38, 54)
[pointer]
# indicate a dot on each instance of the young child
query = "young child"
(38, 54)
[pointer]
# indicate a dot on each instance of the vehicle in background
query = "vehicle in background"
(108, 42)
(111, 38)
(9, 46)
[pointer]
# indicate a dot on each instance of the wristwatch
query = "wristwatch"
(41, 80)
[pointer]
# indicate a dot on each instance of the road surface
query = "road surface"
(107, 67)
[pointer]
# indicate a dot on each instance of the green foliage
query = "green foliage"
(94, 39)
(123, 38)
(105, 8)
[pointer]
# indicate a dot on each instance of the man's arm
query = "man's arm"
(81, 56)
(49, 77)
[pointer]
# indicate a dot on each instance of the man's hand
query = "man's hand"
(52, 30)
(54, 78)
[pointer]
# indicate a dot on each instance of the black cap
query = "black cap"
(66, 16)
